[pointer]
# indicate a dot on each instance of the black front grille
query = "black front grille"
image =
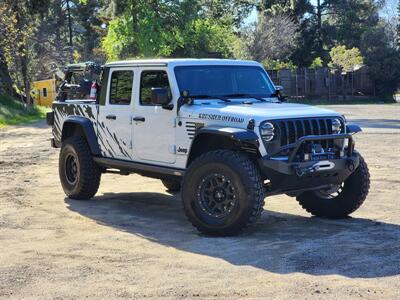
(289, 131)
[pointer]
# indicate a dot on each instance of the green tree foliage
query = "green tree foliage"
(7, 18)
(204, 37)
(168, 28)
(234, 10)
(88, 31)
(35, 38)
(139, 32)
(327, 23)
(271, 64)
(345, 60)
(317, 63)
(38, 37)
(349, 19)
(295, 8)
(16, 42)
(383, 61)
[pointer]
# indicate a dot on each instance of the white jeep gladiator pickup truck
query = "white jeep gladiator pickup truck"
(217, 130)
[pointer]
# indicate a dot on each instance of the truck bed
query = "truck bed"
(80, 108)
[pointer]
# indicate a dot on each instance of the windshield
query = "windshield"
(224, 81)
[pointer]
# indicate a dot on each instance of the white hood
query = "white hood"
(259, 111)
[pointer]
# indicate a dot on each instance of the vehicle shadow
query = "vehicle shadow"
(280, 243)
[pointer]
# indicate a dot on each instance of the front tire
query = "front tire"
(79, 174)
(222, 193)
(343, 200)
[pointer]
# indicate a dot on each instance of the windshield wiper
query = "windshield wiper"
(245, 96)
(223, 98)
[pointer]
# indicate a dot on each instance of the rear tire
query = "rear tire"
(222, 193)
(79, 174)
(172, 185)
(347, 199)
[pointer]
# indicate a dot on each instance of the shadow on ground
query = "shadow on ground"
(377, 123)
(280, 243)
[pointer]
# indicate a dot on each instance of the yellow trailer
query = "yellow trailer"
(44, 92)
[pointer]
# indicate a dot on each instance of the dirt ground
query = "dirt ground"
(133, 241)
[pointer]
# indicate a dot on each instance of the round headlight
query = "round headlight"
(267, 131)
(336, 126)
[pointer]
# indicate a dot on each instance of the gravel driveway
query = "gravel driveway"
(133, 241)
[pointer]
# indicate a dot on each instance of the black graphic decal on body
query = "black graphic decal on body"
(191, 128)
(110, 144)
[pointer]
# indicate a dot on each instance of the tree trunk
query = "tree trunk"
(69, 24)
(25, 76)
(22, 54)
(5, 78)
(319, 29)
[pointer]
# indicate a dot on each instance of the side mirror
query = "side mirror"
(160, 96)
(279, 93)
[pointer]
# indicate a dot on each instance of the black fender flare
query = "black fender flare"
(88, 130)
(244, 139)
(353, 128)
(237, 135)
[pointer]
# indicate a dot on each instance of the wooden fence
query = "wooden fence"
(323, 83)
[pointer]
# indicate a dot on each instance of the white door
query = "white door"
(114, 126)
(153, 126)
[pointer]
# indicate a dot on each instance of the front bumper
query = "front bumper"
(286, 175)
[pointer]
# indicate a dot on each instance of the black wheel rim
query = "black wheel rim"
(71, 168)
(217, 196)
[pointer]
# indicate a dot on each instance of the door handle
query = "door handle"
(139, 119)
(111, 117)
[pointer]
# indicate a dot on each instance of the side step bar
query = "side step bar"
(159, 172)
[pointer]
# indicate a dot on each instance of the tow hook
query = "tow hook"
(300, 172)
(350, 165)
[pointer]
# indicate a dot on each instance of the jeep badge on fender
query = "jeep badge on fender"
(216, 130)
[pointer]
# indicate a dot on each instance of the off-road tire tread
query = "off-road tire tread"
(316, 209)
(254, 185)
(90, 171)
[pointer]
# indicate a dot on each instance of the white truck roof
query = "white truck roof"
(181, 62)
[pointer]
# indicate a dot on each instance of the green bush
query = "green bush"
(13, 112)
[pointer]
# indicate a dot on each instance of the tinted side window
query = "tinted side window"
(149, 80)
(121, 87)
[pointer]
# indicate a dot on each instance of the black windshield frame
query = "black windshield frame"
(193, 79)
